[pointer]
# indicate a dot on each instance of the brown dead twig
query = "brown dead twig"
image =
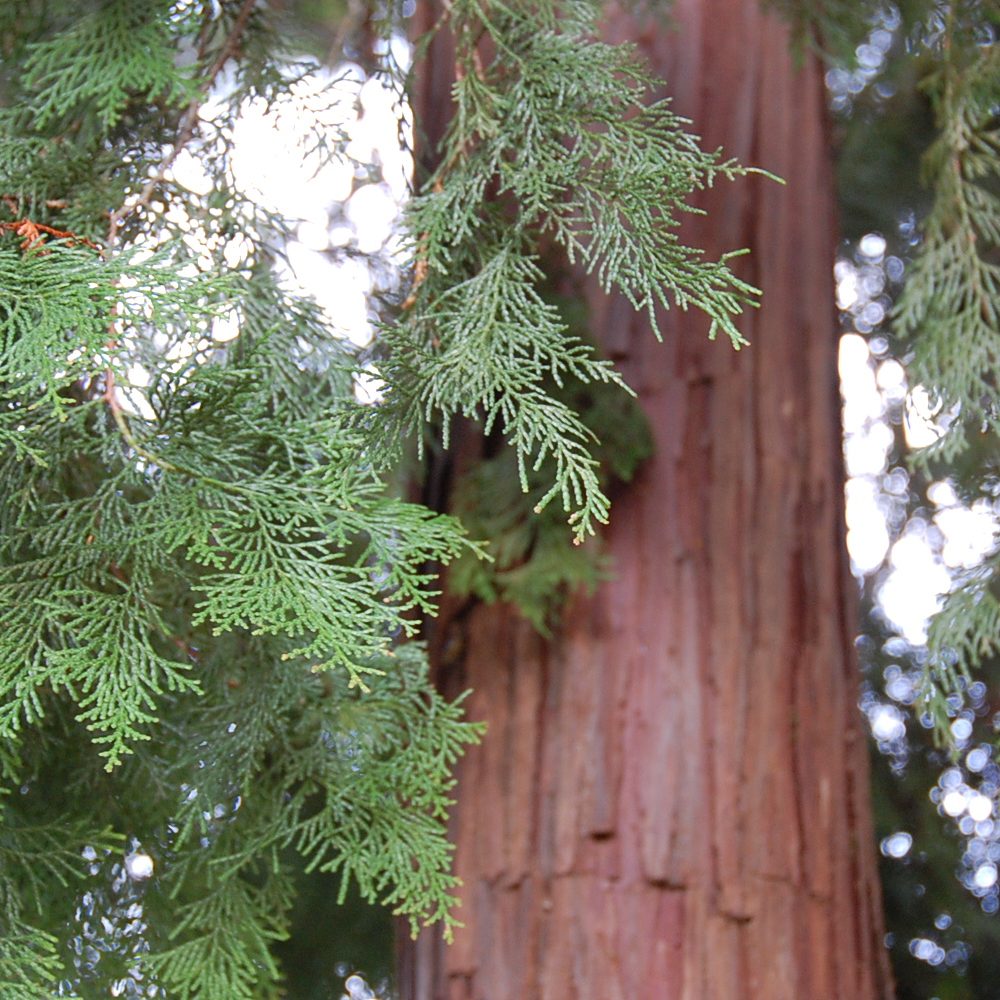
(33, 235)
(420, 267)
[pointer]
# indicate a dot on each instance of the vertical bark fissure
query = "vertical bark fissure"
(749, 495)
(798, 647)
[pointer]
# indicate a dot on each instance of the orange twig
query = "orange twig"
(419, 274)
(420, 268)
(33, 234)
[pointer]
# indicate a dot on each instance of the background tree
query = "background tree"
(673, 795)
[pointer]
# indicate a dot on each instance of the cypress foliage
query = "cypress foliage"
(556, 137)
(209, 596)
(949, 312)
(947, 318)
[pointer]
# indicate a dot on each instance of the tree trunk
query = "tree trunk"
(672, 798)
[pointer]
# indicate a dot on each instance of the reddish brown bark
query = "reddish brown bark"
(672, 799)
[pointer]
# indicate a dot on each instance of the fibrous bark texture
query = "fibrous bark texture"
(672, 798)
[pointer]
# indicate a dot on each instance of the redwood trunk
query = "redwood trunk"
(672, 798)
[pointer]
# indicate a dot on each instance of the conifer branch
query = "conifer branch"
(950, 311)
(558, 139)
(226, 555)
